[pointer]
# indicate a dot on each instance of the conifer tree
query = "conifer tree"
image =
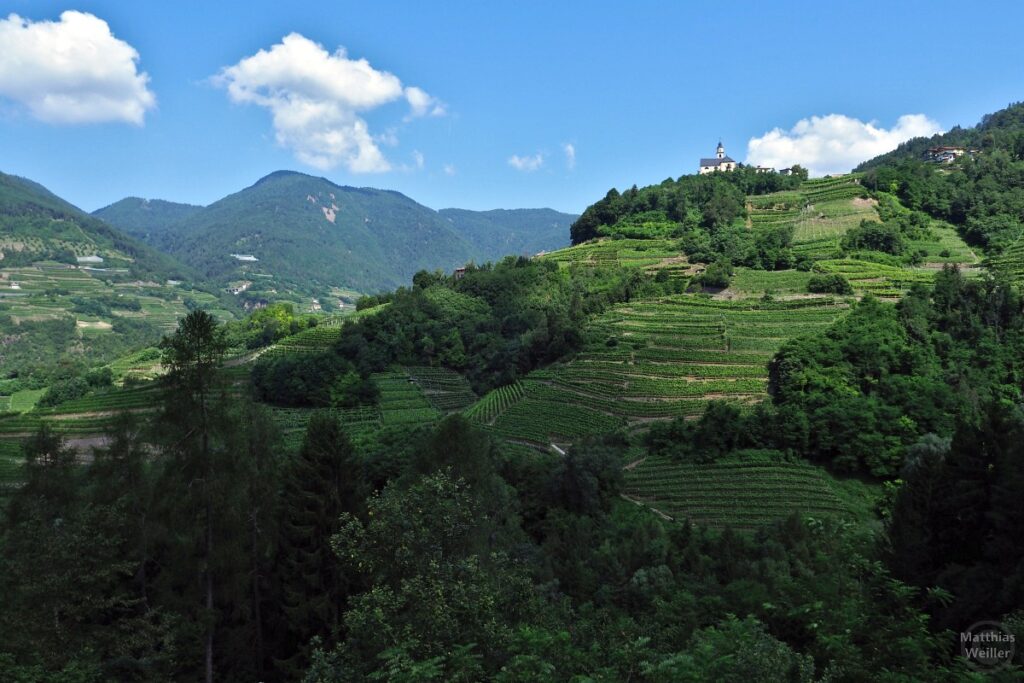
(321, 482)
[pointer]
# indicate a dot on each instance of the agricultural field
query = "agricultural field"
(318, 338)
(46, 291)
(645, 254)
(653, 360)
(743, 495)
(446, 390)
(402, 400)
(24, 400)
(868, 277)
(1010, 262)
(292, 422)
(831, 219)
(749, 282)
(945, 246)
(494, 403)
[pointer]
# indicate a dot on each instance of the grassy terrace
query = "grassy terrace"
(646, 254)
(739, 494)
(44, 291)
(653, 360)
(1010, 262)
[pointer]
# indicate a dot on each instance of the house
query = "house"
(254, 304)
(719, 162)
(764, 169)
(786, 171)
(944, 155)
(459, 273)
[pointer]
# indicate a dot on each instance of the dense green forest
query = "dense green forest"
(750, 427)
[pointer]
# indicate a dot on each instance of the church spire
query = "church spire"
(720, 152)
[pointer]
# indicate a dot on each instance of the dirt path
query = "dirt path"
(656, 511)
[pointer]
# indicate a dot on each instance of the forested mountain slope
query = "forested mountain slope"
(76, 292)
(307, 234)
(147, 219)
(36, 224)
(511, 232)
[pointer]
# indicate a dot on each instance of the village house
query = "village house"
(719, 162)
(945, 155)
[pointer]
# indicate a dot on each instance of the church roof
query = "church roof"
(714, 161)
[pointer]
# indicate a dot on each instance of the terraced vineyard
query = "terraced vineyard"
(45, 291)
(494, 403)
(653, 360)
(876, 278)
(737, 494)
(446, 390)
(1010, 263)
(292, 422)
(646, 254)
(402, 401)
(314, 339)
(318, 338)
(819, 213)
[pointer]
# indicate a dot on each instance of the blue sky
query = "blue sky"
(639, 90)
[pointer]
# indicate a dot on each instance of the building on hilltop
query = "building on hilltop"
(946, 155)
(719, 162)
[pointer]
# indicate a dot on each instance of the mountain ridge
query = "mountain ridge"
(314, 235)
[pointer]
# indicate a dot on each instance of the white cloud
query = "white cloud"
(417, 158)
(526, 163)
(423, 104)
(388, 137)
(570, 155)
(834, 143)
(449, 169)
(72, 71)
(316, 99)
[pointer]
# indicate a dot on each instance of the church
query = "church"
(719, 162)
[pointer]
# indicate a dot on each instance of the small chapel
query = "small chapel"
(719, 162)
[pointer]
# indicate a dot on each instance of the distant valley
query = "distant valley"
(79, 289)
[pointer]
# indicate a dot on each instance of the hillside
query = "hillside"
(1001, 129)
(614, 399)
(307, 235)
(75, 291)
(146, 219)
(295, 231)
(979, 194)
(36, 224)
(501, 232)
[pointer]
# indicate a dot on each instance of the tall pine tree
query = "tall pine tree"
(322, 481)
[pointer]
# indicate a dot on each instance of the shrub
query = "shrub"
(829, 284)
(716, 275)
(884, 237)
